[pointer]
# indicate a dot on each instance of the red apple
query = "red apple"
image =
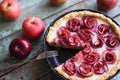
(20, 48)
(57, 2)
(33, 27)
(10, 9)
(106, 4)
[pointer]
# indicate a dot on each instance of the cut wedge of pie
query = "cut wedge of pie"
(98, 39)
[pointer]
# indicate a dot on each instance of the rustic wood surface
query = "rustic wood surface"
(40, 70)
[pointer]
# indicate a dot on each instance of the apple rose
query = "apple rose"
(100, 67)
(63, 41)
(59, 41)
(87, 49)
(112, 42)
(73, 24)
(98, 43)
(89, 22)
(85, 70)
(85, 35)
(56, 41)
(104, 30)
(73, 40)
(91, 57)
(63, 32)
(109, 57)
(69, 67)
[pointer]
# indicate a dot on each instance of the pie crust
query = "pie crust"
(78, 14)
(52, 31)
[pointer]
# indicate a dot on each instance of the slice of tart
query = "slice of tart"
(97, 35)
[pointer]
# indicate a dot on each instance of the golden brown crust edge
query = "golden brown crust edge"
(100, 77)
(52, 31)
(77, 14)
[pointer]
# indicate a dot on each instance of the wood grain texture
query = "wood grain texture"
(30, 8)
(38, 8)
(44, 10)
(30, 71)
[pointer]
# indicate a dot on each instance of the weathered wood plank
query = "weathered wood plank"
(6, 40)
(86, 4)
(29, 71)
(38, 8)
(117, 19)
(43, 10)
(52, 76)
(38, 65)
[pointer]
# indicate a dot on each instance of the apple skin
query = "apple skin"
(106, 4)
(57, 2)
(10, 10)
(20, 48)
(33, 27)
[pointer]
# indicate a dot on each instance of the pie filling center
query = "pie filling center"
(100, 46)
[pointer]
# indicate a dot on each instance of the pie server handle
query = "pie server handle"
(46, 54)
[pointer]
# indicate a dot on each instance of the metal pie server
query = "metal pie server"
(46, 54)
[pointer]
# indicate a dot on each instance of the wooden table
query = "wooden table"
(40, 70)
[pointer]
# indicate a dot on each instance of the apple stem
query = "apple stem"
(8, 5)
(32, 22)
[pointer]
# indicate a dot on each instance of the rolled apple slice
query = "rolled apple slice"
(87, 49)
(104, 30)
(73, 24)
(85, 70)
(69, 67)
(109, 57)
(85, 35)
(112, 42)
(73, 40)
(91, 57)
(98, 43)
(100, 67)
(89, 22)
(59, 42)
(63, 32)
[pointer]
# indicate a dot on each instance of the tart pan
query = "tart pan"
(64, 54)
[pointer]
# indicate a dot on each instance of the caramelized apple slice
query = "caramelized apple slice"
(56, 41)
(63, 41)
(98, 43)
(85, 35)
(85, 70)
(89, 22)
(73, 40)
(109, 57)
(91, 57)
(112, 42)
(100, 67)
(87, 49)
(59, 42)
(104, 30)
(63, 32)
(73, 24)
(69, 67)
